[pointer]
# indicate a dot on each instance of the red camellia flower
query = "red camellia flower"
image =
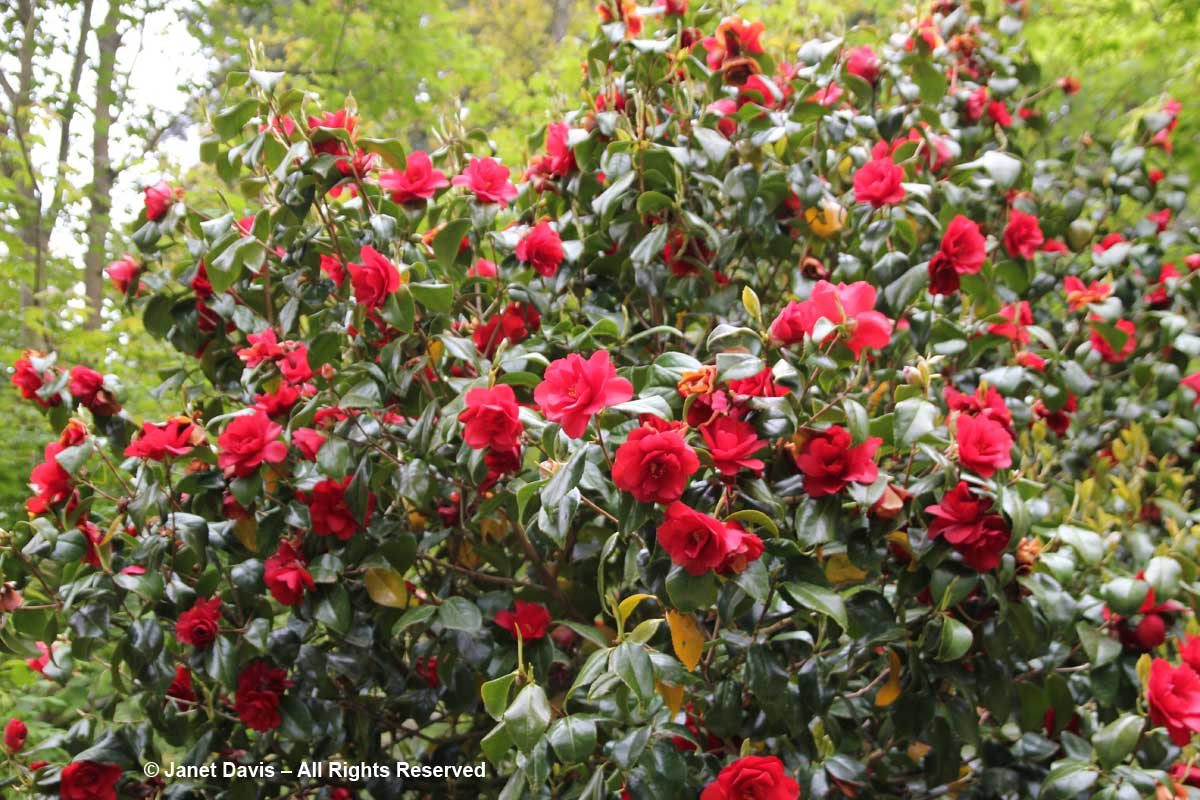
(181, 690)
(15, 734)
(676, 7)
(863, 62)
(374, 279)
(733, 37)
(761, 384)
(1023, 235)
(419, 180)
(482, 268)
(286, 576)
(542, 249)
(513, 325)
(1173, 694)
(744, 549)
(964, 520)
(29, 377)
(1016, 316)
(51, 482)
(878, 182)
(575, 388)
(852, 307)
(331, 515)
(962, 253)
(158, 198)
(308, 441)
(333, 268)
(654, 466)
(829, 461)
(696, 541)
(491, 418)
(731, 443)
(487, 178)
(985, 402)
(122, 272)
(87, 386)
(87, 780)
(753, 778)
(529, 620)
(256, 702)
(247, 442)
(984, 444)
(198, 625)
(1102, 346)
(1080, 295)
(1193, 382)
(559, 160)
(159, 442)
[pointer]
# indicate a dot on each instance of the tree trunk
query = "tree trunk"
(100, 194)
(560, 19)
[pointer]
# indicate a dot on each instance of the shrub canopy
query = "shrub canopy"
(817, 421)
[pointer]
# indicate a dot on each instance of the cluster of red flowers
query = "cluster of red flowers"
(259, 690)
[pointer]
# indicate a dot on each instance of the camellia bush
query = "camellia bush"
(812, 423)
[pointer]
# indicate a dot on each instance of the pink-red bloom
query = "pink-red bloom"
(753, 778)
(528, 620)
(158, 200)
(654, 465)
(965, 521)
(696, 541)
(732, 443)
(248, 442)
(330, 512)
(491, 419)
(1023, 234)
(542, 249)
(419, 180)
(879, 181)
(1173, 694)
(374, 279)
(198, 625)
(574, 389)
(286, 575)
(850, 307)
(830, 461)
(863, 62)
(962, 252)
(984, 445)
(488, 180)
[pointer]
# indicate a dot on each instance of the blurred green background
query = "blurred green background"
(73, 159)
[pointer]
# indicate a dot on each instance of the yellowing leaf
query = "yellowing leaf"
(918, 751)
(840, 569)
(417, 521)
(890, 691)
(1143, 668)
(495, 529)
(827, 220)
(386, 587)
(671, 695)
(629, 604)
(246, 531)
(687, 637)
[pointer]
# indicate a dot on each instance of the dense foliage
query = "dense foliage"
(813, 423)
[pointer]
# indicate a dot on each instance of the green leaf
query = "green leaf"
(820, 599)
(632, 663)
(691, 592)
(931, 81)
(448, 240)
(460, 614)
(1002, 168)
(527, 718)
(1116, 740)
(573, 739)
(495, 694)
(434, 296)
(1068, 779)
(914, 418)
(714, 145)
(955, 640)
